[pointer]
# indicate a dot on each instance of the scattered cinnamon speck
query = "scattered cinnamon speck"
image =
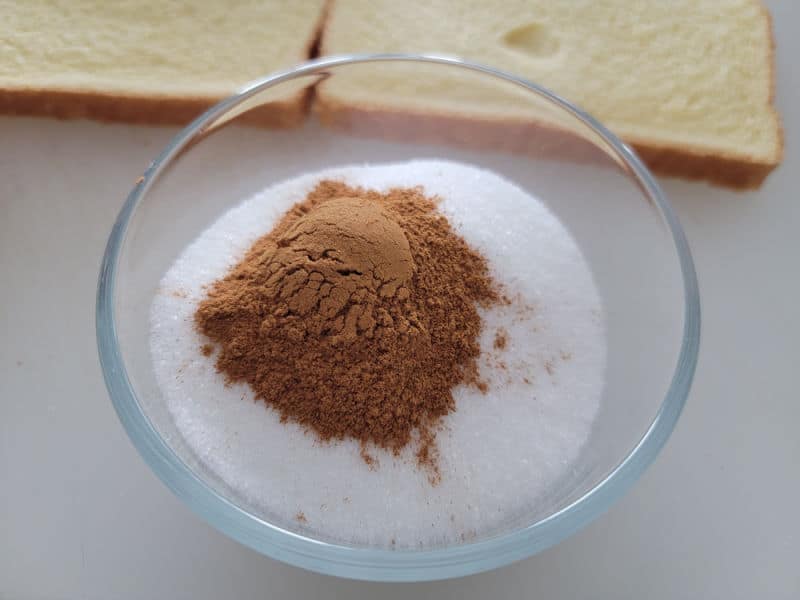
(566, 355)
(300, 517)
(206, 349)
(549, 367)
(428, 454)
(370, 460)
(524, 310)
(500, 339)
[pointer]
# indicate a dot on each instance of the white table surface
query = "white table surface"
(81, 515)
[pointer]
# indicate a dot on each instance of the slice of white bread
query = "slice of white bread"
(688, 83)
(150, 61)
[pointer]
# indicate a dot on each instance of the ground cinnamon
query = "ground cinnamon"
(354, 317)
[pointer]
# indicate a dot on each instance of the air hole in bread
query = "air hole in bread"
(534, 39)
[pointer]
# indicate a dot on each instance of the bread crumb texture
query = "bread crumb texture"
(149, 61)
(181, 47)
(688, 76)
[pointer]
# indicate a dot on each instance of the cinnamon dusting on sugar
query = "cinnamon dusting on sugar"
(355, 317)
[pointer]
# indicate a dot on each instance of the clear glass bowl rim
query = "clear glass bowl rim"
(370, 563)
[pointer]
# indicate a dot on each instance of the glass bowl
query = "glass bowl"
(592, 181)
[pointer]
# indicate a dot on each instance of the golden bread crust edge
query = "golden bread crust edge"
(695, 165)
(536, 139)
(773, 80)
(139, 109)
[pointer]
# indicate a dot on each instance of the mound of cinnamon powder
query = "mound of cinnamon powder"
(354, 317)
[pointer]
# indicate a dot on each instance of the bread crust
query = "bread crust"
(773, 80)
(738, 173)
(134, 108)
(536, 139)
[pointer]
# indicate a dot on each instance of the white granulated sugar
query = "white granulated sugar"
(500, 452)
